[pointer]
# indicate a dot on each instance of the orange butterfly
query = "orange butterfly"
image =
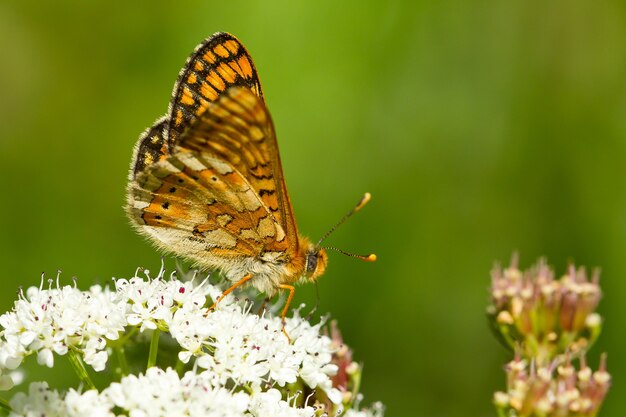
(206, 181)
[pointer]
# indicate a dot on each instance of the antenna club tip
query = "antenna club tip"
(371, 257)
(366, 198)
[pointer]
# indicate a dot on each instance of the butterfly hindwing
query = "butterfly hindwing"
(220, 62)
(195, 204)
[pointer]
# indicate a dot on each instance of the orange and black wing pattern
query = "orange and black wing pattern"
(207, 177)
(218, 63)
(215, 196)
(221, 61)
(151, 146)
(238, 130)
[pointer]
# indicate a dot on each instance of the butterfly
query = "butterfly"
(206, 182)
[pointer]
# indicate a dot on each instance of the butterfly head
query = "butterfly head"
(316, 260)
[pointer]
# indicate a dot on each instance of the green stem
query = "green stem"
(79, 368)
(121, 360)
(180, 366)
(5, 407)
(154, 348)
(126, 336)
(501, 412)
(356, 385)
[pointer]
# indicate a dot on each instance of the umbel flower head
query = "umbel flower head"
(548, 322)
(543, 315)
(231, 362)
(554, 390)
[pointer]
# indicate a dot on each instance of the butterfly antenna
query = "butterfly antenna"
(364, 200)
(368, 258)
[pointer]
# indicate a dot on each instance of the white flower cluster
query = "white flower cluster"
(252, 350)
(163, 393)
(157, 393)
(48, 321)
(231, 348)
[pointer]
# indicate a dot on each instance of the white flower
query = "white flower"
(376, 410)
(157, 393)
(242, 361)
(39, 400)
(49, 321)
(87, 404)
(270, 404)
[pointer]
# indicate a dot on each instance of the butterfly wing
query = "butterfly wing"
(218, 63)
(238, 130)
(151, 146)
(220, 192)
(196, 206)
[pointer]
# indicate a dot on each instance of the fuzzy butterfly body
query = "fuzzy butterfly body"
(206, 181)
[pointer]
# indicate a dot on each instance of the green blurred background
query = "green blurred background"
(479, 127)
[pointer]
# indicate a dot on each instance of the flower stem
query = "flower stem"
(127, 336)
(356, 385)
(5, 407)
(121, 360)
(79, 368)
(180, 366)
(154, 348)
(501, 412)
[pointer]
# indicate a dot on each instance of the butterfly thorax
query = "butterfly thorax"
(270, 269)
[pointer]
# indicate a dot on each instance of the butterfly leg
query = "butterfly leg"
(229, 290)
(292, 291)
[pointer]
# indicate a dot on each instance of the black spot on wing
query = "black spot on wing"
(266, 192)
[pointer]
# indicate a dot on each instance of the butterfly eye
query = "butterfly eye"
(311, 262)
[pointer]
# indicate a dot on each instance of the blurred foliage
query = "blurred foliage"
(479, 128)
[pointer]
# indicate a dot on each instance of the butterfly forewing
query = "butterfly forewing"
(207, 182)
(238, 130)
(151, 146)
(217, 64)
(219, 192)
